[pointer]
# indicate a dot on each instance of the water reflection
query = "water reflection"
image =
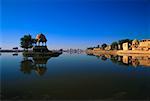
(15, 54)
(72, 77)
(35, 63)
(128, 60)
(103, 58)
(26, 66)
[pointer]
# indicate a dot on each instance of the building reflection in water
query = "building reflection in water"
(15, 54)
(132, 60)
(37, 64)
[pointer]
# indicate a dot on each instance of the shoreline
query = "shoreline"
(7, 51)
(118, 52)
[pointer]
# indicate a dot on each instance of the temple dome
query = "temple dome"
(41, 38)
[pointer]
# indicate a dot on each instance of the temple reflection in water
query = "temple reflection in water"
(37, 64)
(133, 60)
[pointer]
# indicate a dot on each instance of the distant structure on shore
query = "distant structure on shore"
(137, 45)
(15, 49)
(74, 51)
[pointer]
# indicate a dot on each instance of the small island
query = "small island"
(37, 46)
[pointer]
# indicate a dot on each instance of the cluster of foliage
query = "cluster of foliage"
(104, 45)
(90, 48)
(114, 45)
(27, 42)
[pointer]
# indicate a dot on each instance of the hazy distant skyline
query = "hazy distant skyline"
(74, 23)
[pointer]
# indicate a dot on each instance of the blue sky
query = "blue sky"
(74, 23)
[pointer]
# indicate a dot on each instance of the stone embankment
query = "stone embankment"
(118, 52)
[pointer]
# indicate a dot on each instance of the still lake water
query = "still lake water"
(71, 76)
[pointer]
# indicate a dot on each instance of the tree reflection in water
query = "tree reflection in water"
(103, 57)
(26, 66)
(36, 63)
(126, 60)
(15, 54)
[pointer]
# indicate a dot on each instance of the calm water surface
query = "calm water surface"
(71, 76)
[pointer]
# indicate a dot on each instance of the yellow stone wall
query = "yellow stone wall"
(97, 49)
(145, 44)
(108, 47)
(125, 46)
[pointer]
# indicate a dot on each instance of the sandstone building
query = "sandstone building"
(137, 45)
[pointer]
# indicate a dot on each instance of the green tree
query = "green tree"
(114, 46)
(90, 48)
(98, 46)
(104, 45)
(26, 42)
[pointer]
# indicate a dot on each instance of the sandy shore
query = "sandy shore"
(119, 52)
